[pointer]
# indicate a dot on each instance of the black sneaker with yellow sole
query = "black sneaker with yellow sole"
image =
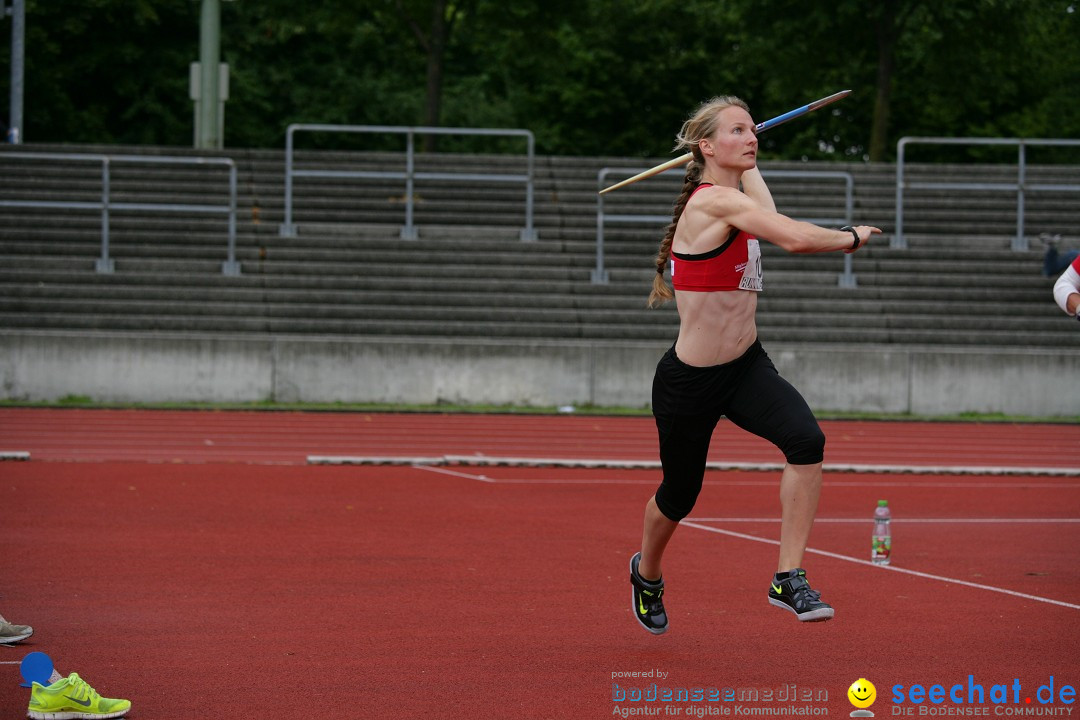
(791, 591)
(647, 599)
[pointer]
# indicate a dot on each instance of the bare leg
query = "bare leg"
(800, 487)
(658, 530)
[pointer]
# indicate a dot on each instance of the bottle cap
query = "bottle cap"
(882, 503)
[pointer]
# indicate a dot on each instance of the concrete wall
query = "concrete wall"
(131, 367)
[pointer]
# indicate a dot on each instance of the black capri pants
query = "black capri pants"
(688, 402)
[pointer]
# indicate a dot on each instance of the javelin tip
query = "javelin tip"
(830, 99)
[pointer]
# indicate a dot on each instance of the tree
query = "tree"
(588, 77)
(107, 71)
(443, 16)
(888, 26)
(335, 62)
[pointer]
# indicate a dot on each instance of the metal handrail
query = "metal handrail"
(408, 232)
(600, 276)
(1020, 187)
(105, 264)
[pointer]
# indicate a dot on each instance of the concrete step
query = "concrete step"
(300, 290)
(518, 309)
(89, 295)
(83, 272)
(398, 255)
(488, 275)
(470, 271)
(875, 333)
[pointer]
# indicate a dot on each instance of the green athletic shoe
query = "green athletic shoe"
(647, 600)
(71, 698)
(792, 592)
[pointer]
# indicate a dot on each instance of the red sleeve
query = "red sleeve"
(1076, 264)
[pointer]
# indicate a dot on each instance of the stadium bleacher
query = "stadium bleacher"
(347, 273)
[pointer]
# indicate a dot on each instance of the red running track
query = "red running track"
(288, 437)
(273, 592)
(219, 586)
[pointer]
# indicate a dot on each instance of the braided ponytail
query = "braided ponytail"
(701, 125)
(661, 292)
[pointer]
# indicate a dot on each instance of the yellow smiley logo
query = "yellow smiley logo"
(862, 693)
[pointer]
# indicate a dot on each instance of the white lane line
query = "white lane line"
(372, 460)
(454, 473)
(767, 466)
(1062, 486)
(581, 481)
(655, 464)
(773, 483)
(893, 568)
(868, 521)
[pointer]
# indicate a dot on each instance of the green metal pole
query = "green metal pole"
(209, 59)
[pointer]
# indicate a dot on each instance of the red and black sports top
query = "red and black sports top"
(735, 265)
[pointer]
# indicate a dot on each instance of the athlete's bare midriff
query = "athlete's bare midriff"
(715, 327)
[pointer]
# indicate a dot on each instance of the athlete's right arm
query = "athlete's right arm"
(739, 210)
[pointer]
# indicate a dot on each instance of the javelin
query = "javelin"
(778, 120)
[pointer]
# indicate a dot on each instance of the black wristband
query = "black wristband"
(855, 245)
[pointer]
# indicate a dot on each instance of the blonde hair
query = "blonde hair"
(701, 124)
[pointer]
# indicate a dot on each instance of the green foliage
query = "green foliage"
(588, 77)
(106, 71)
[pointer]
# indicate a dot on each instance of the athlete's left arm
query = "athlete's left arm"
(754, 186)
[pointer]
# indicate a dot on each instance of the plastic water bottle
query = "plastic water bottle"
(881, 549)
